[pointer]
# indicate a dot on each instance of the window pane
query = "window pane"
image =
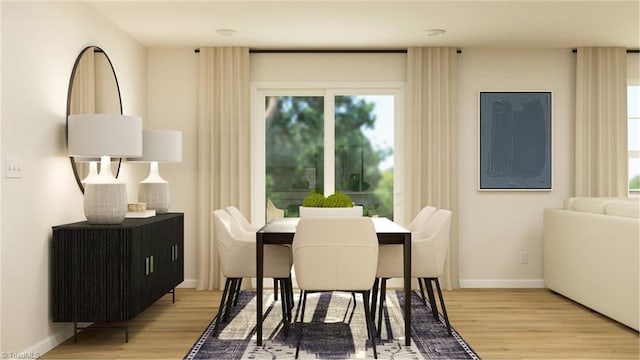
(294, 150)
(634, 175)
(633, 133)
(364, 151)
(633, 101)
(633, 112)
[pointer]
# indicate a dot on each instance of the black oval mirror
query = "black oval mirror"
(93, 88)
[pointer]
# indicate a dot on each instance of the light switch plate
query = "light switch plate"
(13, 167)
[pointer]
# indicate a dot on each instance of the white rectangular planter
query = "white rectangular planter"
(355, 211)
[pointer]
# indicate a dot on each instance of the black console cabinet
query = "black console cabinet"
(110, 273)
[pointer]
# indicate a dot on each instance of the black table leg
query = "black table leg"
(407, 289)
(259, 271)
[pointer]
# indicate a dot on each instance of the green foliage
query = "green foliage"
(384, 194)
(313, 200)
(634, 183)
(338, 200)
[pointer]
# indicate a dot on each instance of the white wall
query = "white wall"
(40, 42)
(1, 134)
(328, 67)
(173, 95)
(496, 226)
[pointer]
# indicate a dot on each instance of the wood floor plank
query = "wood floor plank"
(497, 323)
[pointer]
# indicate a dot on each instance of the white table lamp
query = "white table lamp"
(158, 146)
(103, 136)
(93, 167)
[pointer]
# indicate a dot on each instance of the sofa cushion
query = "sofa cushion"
(591, 205)
(597, 205)
(585, 201)
(623, 208)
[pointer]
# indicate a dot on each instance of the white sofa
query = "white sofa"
(591, 255)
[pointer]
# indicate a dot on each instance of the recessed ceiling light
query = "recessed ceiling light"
(226, 32)
(435, 32)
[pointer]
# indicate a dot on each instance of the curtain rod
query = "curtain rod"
(397, 51)
(316, 51)
(629, 51)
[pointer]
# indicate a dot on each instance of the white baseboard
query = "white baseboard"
(48, 343)
(501, 283)
(189, 284)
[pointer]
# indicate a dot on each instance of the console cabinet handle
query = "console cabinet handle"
(174, 252)
(148, 265)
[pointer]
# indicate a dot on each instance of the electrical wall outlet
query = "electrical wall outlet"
(524, 257)
(13, 167)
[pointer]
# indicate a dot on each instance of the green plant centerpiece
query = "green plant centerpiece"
(317, 200)
(338, 204)
(338, 200)
(314, 199)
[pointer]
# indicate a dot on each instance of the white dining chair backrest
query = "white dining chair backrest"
(432, 245)
(234, 247)
(429, 247)
(237, 251)
(335, 253)
(272, 211)
(421, 218)
(237, 215)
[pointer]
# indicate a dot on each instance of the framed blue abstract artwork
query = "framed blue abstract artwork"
(515, 141)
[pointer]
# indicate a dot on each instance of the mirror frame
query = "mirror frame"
(69, 92)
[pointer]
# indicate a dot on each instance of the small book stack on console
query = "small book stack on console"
(139, 210)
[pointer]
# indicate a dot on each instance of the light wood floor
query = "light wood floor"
(497, 323)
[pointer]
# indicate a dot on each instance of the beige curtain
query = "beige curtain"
(430, 148)
(601, 122)
(82, 99)
(223, 148)
(83, 96)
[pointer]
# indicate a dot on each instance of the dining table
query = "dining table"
(282, 231)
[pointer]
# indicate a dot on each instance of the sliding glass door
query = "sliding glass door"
(326, 140)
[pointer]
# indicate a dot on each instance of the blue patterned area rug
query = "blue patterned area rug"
(337, 331)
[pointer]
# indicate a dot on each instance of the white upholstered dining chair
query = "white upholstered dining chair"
(245, 225)
(421, 218)
(272, 211)
(237, 215)
(429, 248)
(336, 254)
(237, 254)
(414, 226)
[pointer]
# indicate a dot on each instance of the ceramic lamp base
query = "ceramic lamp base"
(105, 203)
(155, 195)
